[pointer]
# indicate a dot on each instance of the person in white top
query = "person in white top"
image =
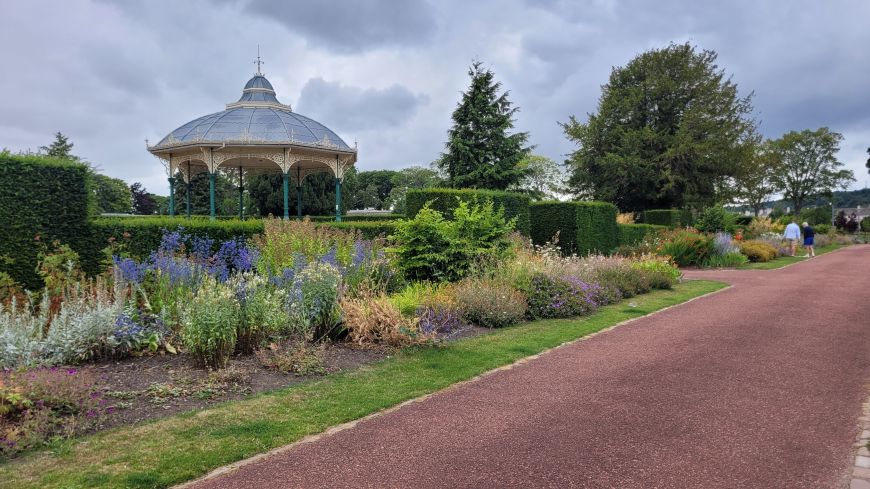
(792, 234)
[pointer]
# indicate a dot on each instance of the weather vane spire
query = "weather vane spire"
(258, 62)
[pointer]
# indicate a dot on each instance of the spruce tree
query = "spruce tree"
(60, 148)
(480, 151)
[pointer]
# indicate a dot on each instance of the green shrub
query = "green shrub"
(261, 311)
(313, 301)
(826, 228)
(444, 200)
(672, 218)
(661, 273)
(209, 324)
(552, 296)
(816, 215)
(686, 247)
(632, 234)
(865, 225)
(41, 197)
(583, 227)
(714, 220)
(490, 303)
(430, 247)
(758, 251)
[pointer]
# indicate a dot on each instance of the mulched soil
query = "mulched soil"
(155, 386)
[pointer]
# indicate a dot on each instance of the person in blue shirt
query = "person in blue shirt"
(792, 234)
(809, 240)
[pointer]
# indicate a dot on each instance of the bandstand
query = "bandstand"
(255, 134)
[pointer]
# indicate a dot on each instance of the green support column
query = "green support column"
(286, 184)
(171, 196)
(241, 195)
(211, 209)
(337, 200)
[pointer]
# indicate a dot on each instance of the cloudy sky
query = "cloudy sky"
(388, 73)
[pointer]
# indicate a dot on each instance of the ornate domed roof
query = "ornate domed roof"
(256, 118)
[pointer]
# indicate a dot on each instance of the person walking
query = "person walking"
(792, 234)
(809, 240)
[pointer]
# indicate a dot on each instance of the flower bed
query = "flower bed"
(277, 298)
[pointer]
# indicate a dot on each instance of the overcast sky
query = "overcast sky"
(388, 73)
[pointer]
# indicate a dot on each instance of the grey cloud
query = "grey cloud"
(355, 109)
(352, 27)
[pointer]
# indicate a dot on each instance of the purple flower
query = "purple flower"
(331, 257)
(172, 242)
(131, 270)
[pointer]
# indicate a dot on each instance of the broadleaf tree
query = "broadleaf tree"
(669, 130)
(755, 182)
(544, 179)
(480, 151)
(809, 165)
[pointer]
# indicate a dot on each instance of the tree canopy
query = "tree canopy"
(668, 132)
(755, 182)
(111, 195)
(544, 178)
(809, 165)
(61, 147)
(480, 151)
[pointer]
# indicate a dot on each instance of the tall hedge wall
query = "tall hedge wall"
(672, 218)
(583, 227)
(630, 234)
(444, 200)
(40, 196)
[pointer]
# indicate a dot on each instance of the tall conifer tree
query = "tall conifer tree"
(480, 151)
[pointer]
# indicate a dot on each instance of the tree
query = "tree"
(372, 189)
(868, 161)
(809, 165)
(60, 148)
(755, 181)
(143, 202)
(480, 152)
(111, 194)
(266, 194)
(417, 177)
(544, 177)
(668, 133)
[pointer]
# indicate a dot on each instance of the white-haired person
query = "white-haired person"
(809, 240)
(792, 234)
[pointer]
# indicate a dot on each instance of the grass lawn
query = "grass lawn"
(788, 260)
(182, 447)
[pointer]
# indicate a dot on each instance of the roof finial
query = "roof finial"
(258, 62)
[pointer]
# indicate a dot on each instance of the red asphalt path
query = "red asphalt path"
(759, 386)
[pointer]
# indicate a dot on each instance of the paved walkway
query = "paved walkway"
(760, 385)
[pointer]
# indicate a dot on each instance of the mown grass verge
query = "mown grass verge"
(788, 260)
(180, 448)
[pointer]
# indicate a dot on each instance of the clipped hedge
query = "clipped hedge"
(368, 229)
(583, 227)
(631, 234)
(141, 236)
(40, 196)
(359, 218)
(444, 200)
(672, 218)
